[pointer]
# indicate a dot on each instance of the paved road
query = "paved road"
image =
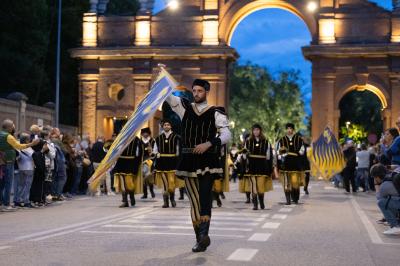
(327, 228)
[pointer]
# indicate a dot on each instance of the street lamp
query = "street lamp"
(348, 123)
(173, 4)
(312, 6)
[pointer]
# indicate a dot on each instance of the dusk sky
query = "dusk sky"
(273, 38)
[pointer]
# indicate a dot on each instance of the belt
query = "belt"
(190, 150)
(258, 156)
(127, 157)
(167, 155)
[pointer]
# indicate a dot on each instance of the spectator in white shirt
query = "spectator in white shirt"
(363, 157)
(25, 176)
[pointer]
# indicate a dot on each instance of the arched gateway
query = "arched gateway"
(355, 45)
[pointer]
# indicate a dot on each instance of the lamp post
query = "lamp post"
(57, 107)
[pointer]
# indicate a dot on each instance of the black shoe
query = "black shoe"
(204, 240)
(124, 205)
(222, 195)
(261, 200)
(306, 191)
(172, 199)
(255, 203)
(144, 196)
(166, 203)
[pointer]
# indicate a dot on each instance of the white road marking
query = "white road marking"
(150, 221)
(329, 188)
(285, 209)
(270, 225)
(243, 254)
(265, 215)
(5, 247)
(81, 228)
(373, 234)
(157, 233)
(122, 215)
(279, 216)
(186, 218)
(174, 227)
(236, 214)
(260, 237)
(84, 198)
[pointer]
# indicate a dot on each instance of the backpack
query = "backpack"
(396, 181)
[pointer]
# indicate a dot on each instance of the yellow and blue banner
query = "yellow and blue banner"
(160, 90)
(326, 156)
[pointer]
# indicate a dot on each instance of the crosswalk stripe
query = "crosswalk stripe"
(5, 247)
(260, 237)
(175, 227)
(243, 254)
(156, 233)
(285, 209)
(271, 225)
(149, 221)
(279, 216)
(186, 218)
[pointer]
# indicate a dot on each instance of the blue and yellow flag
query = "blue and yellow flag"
(326, 156)
(160, 90)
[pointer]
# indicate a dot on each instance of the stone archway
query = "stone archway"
(353, 42)
(235, 11)
(380, 92)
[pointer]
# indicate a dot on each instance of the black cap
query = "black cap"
(256, 126)
(145, 130)
(202, 83)
(291, 125)
(166, 120)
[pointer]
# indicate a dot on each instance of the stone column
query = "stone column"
(394, 100)
(88, 104)
(323, 100)
(22, 115)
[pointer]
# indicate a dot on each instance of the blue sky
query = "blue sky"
(273, 38)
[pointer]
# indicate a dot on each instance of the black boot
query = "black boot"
(124, 200)
(204, 240)
(172, 199)
(306, 190)
(287, 195)
(293, 194)
(132, 197)
(181, 192)
(222, 195)
(196, 231)
(144, 192)
(296, 196)
(261, 199)
(166, 203)
(255, 202)
(152, 191)
(247, 197)
(216, 197)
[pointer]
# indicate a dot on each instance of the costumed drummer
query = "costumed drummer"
(290, 148)
(166, 150)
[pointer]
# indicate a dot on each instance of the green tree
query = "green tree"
(361, 108)
(353, 131)
(257, 97)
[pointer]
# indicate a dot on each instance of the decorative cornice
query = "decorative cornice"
(346, 51)
(172, 52)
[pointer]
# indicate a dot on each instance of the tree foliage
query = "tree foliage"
(28, 41)
(355, 132)
(361, 108)
(258, 97)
